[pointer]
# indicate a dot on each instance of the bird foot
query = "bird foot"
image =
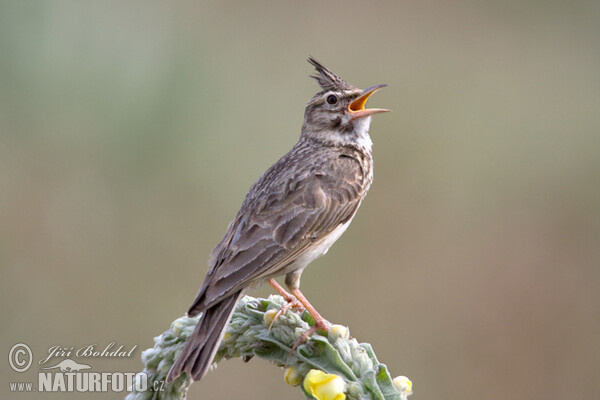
(321, 325)
(291, 302)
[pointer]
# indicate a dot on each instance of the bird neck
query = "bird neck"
(356, 135)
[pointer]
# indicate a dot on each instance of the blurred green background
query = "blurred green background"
(130, 132)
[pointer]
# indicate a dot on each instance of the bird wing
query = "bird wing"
(283, 215)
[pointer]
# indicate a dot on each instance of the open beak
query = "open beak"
(357, 107)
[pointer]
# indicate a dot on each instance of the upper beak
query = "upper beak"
(357, 107)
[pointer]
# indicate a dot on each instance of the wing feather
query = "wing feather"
(272, 230)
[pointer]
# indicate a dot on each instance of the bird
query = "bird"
(290, 216)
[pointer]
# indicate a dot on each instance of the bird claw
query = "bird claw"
(291, 302)
(322, 325)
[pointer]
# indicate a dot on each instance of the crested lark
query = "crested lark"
(292, 214)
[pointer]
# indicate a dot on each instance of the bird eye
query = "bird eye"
(332, 99)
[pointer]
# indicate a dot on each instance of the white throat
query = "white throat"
(361, 133)
(358, 135)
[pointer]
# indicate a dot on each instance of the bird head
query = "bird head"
(337, 115)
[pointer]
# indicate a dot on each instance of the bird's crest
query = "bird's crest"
(327, 79)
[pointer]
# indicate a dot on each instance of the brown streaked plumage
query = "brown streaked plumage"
(291, 215)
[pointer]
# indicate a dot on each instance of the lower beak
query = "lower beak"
(357, 107)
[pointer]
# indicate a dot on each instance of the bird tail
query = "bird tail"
(202, 345)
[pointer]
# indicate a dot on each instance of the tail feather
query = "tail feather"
(202, 345)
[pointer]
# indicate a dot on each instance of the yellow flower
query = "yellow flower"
(324, 386)
(292, 377)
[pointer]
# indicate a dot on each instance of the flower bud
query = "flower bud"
(404, 385)
(269, 317)
(292, 376)
(339, 332)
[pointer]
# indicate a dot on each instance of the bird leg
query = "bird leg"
(290, 300)
(292, 281)
(320, 322)
(288, 297)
